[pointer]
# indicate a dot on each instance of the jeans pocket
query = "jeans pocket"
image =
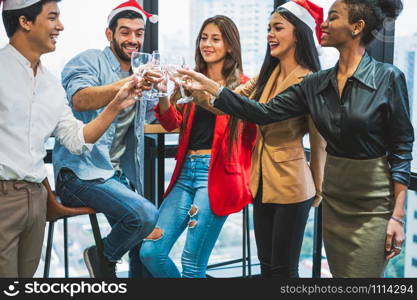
(68, 198)
(59, 181)
(206, 162)
(66, 175)
(68, 184)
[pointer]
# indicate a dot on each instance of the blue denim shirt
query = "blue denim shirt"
(97, 68)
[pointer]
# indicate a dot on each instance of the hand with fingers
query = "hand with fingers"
(195, 81)
(125, 97)
(162, 85)
(151, 77)
(395, 237)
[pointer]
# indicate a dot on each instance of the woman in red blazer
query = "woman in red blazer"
(210, 179)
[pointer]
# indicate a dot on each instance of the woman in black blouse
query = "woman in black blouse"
(361, 109)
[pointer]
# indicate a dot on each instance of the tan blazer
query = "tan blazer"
(279, 152)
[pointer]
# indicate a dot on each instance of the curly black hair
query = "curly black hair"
(374, 13)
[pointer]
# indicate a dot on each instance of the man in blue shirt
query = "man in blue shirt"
(109, 179)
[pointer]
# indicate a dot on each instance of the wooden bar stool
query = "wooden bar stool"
(57, 211)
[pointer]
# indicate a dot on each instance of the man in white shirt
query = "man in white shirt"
(32, 107)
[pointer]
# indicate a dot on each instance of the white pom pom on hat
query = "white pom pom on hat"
(311, 14)
(154, 19)
(17, 4)
(132, 5)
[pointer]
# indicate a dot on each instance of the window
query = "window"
(181, 36)
(405, 57)
(251, 17)
(76, 36)
(405, 48)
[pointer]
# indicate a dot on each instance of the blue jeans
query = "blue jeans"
(131, 216)
(186, 206)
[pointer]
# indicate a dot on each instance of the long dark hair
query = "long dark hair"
(232, 67)
(305, 51)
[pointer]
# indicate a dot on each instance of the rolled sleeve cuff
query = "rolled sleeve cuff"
(74, 88)
(84, 146)
(403, 178)
(401, 167)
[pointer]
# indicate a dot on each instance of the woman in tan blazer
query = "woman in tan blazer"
(283, 184)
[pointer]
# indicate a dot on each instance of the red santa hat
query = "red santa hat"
(311, 14)
(132, 5)
(17, 4)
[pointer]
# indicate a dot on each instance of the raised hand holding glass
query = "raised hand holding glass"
(175, 62)
(139, 63)
(157, 66)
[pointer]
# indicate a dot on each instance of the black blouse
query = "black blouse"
(370, 119)
(202, 131)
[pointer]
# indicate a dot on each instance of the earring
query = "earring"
(353, 34)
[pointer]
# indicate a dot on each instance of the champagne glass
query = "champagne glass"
(176, 62)
(157, 65)
(139, 63)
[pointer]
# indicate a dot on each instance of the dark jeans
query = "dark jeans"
(279, 231)
(131, 216)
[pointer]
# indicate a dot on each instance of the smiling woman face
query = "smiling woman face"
(281, 37)
(212, 46)
(337, 30)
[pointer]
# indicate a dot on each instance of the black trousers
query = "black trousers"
(279, 231)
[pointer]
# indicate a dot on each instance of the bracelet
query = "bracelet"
(216, 95)
(398, 220)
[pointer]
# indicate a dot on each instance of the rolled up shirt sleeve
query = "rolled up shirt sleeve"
(81, 72)
(401, 132)
(70, 133)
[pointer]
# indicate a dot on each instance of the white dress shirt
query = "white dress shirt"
(31, 109)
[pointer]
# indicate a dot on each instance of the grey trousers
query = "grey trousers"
(22, 226)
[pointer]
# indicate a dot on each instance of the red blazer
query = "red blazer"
(228, 178)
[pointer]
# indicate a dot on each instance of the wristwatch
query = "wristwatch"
(216, 95)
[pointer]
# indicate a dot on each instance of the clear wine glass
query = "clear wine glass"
(140, 63)
(175, 62)
(157, 66)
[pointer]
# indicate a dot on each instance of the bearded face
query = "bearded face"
(127, 38)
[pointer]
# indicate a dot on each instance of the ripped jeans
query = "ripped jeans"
(186, 207)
